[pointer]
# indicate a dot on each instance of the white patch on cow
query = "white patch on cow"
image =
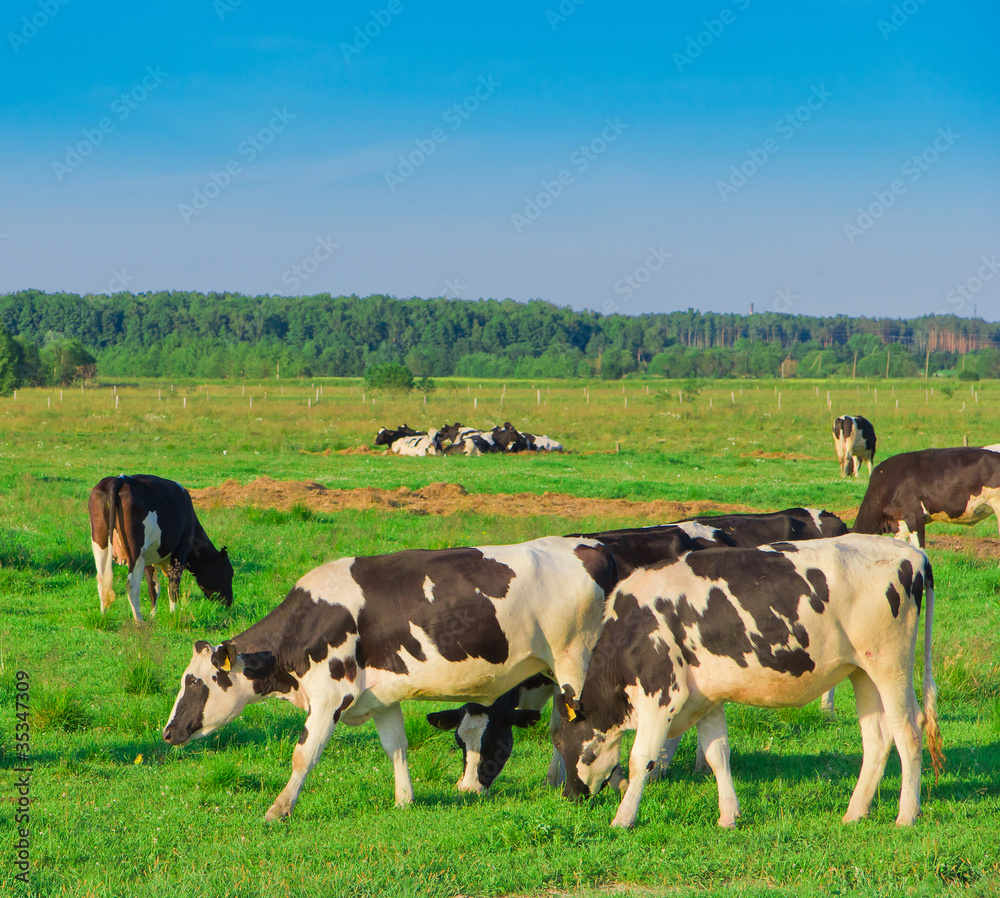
(471, 731)
(698, 531)
(978, 507)
(994, 448)
(815, 513)
(428, 589)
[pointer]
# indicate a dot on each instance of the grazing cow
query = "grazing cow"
(418, 446)
(908, 491)
(854, 439)
(486, 735)
(386, 437)
(147, 523)
(357, 636)
(773, 626)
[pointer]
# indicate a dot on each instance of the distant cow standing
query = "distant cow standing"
(147, 523)
(908, 491)
(854, 439)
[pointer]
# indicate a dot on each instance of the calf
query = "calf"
(486, 735)
(386, 437)
(418, 446)
(147, 523)
(773, 626)
(854, 440)
(908, 491)
(357, 636)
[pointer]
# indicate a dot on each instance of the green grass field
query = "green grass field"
(115, 811)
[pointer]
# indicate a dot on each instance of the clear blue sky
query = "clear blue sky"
(585, 153)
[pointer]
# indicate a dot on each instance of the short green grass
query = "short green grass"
(115, 811)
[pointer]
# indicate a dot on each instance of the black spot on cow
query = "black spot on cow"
(906, 576)
(650, 765)
(344, 705)
(350, 670)
(338, 670)
(600, 564)
(223, 679)
(785, 547)
(720, 629)
(821, 590)
(633, 549)
(893, 596)
(190, 713)
(304, 736)
(918, 589)
(769, 588)
(459, 618)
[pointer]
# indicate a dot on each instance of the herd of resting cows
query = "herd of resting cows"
(455, 439)
(651, 629)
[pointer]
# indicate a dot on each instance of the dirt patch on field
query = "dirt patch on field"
(791, 456)
(984, 547)
(443, 499)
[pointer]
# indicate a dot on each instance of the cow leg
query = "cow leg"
(315, 735)
(876, 740)
(153, 584)
(105, 587)
(713, 736)
(826, 704)
(905, 723)
(392, 735)
(650, 735)
(557, 768)
(135, 578)
(667, 752)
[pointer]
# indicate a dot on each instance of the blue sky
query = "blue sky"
(809, 157)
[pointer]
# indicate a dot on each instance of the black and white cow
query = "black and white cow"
(773, 626)
(908, 491)
(357, 636)
(485, 735)
(509, 439)
(542, 443)
(418, 446)
(149, 523)
(854, 440)
(386, 437)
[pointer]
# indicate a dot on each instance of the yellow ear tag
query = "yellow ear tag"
(226, 665)
(570, 713)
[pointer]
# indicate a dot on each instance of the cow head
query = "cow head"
(215, 576)
(217, 685)
(590, 755)
(486, 737)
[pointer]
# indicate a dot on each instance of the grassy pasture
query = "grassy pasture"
(115, 811)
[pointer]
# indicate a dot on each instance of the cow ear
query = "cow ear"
(224, 657)
(257, 665)
(569, 703)
(445, 720)
(525, 719)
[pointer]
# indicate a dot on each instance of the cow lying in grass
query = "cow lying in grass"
(773, 626)
(357, 636)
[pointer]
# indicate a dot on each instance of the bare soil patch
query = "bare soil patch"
(443, 499)
(792, 456)
(984, 547)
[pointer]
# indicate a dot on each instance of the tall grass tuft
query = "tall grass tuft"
(59, 708)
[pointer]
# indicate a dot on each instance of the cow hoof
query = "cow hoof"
(276, 813)
(623, 823)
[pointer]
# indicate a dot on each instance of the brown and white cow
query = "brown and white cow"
(773, 626)
(908, 491)
(149, 523)
(854, 440)
(485, 734)
(357, 636)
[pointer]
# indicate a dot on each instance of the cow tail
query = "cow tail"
(931, 726)
(109, 560)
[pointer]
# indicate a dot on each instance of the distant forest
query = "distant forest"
(48, 338)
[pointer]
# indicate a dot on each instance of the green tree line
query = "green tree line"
(55, 337)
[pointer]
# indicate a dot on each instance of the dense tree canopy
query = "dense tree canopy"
(172, 334)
